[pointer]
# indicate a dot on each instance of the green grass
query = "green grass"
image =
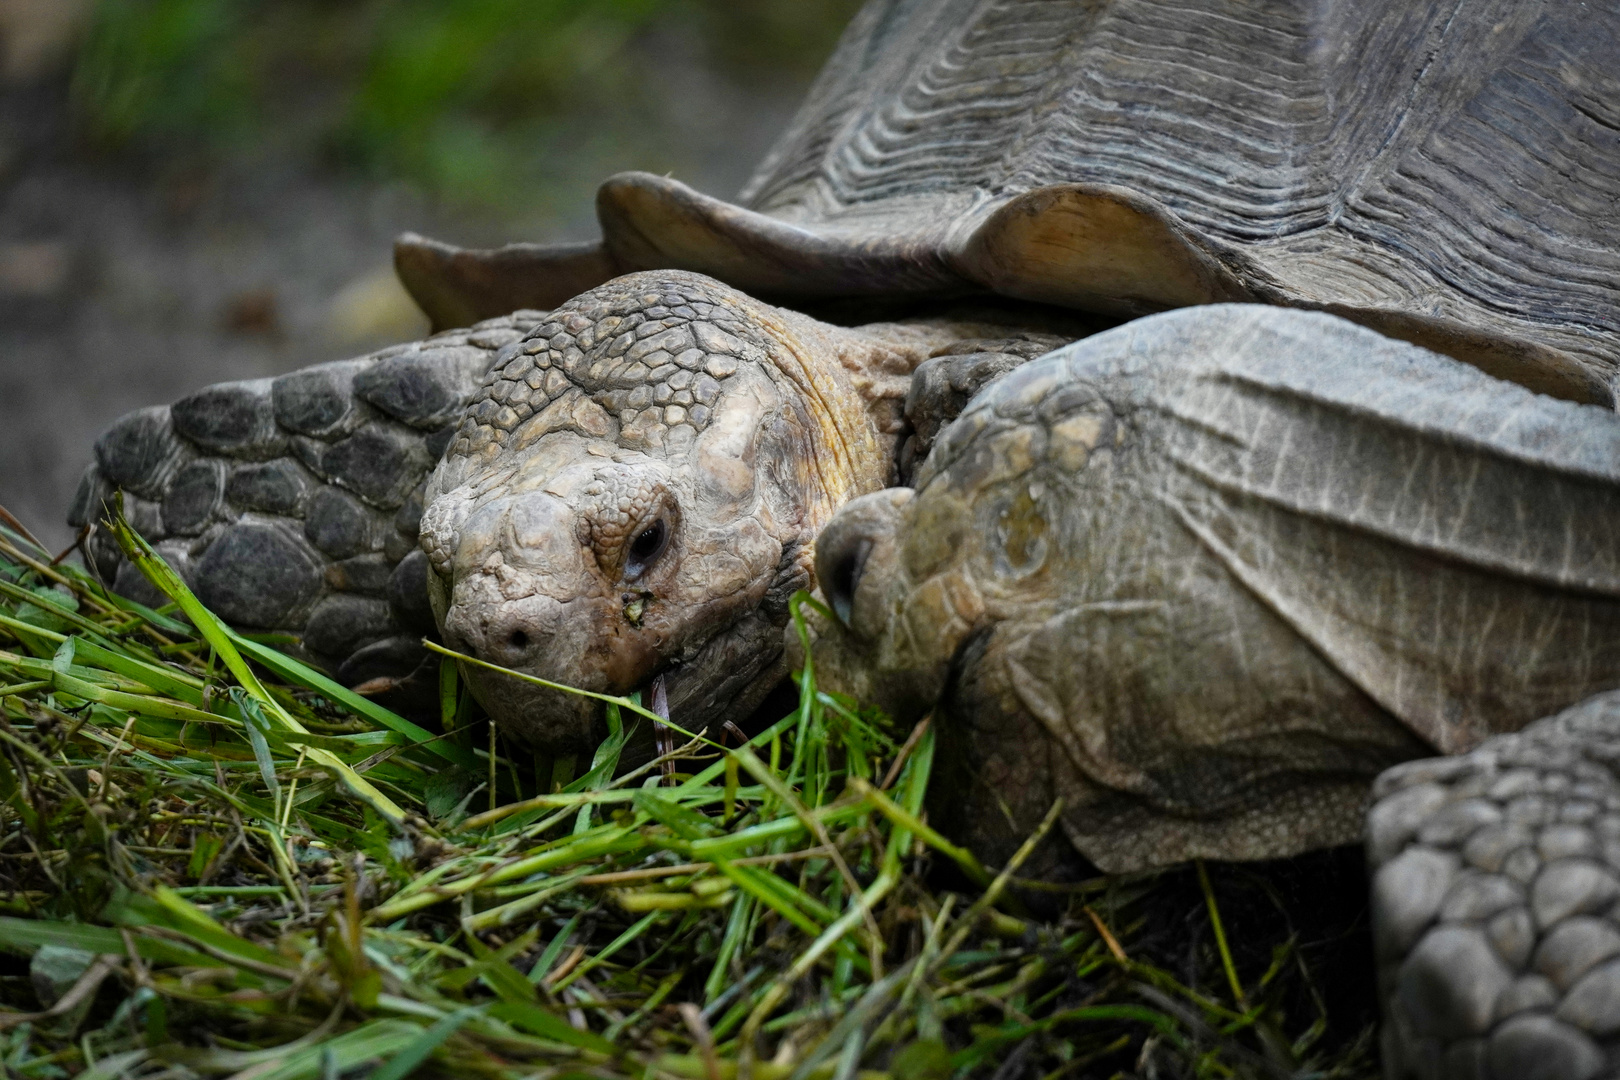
(216, 862)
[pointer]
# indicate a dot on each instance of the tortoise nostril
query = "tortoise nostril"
(518, 640)
(845, 577)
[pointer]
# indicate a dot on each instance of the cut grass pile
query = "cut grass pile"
(214, 861)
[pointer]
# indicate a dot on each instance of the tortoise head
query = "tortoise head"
(634, 493)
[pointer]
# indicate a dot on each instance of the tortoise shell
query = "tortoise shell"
(1445, 173)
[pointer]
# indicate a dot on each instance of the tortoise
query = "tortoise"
(1206, 575)
(638, 439)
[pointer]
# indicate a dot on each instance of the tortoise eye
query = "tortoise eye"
(645, 548)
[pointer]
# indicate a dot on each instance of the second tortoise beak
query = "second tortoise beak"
(857, 547)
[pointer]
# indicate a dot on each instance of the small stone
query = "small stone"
(1529, 992)
(193, 497)
(1478, 896)
(662, 394)
(1513, 935)
(258, 574)
(681, 380)
(640, 397)
(691, 360)
(705, 389)
(234, 418)
(341, 624)
(1574, 947)
(1593, 1003)
(720, 366)
(1406, 895)
(279, 487)
(699, 415)
(140, 452)
(338, 524)
(674, 414)
(1571, 887)
(1541, 1048)
(682, 398)
(1448, 986)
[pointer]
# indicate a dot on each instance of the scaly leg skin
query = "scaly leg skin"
(1495, 880)
(292, 503)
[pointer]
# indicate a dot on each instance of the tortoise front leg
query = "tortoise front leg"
(1495, 880)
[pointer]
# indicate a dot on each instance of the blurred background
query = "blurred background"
(200, 190)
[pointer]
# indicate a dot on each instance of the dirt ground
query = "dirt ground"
(126, 281)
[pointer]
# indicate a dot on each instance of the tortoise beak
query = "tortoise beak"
(526, 597)
(856, 549)
(859, 575)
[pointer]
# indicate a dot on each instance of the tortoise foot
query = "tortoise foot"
(1495, 882)
(292, 504)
